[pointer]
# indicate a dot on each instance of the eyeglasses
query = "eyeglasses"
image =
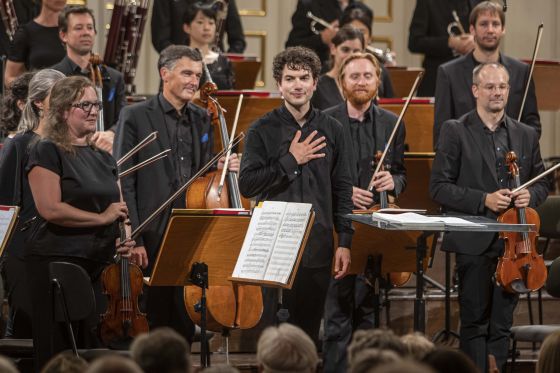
(87, 106)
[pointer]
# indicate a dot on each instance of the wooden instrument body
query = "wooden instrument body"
(123, 320)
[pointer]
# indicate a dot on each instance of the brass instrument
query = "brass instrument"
(384, 56)
(125, 37)
(9, 17)
(455, 28)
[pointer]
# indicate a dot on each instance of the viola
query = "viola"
(521, 269)
(122, 283)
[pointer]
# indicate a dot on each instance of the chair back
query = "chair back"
(75, 289)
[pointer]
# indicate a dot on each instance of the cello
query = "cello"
(521, 269)
(233, 306)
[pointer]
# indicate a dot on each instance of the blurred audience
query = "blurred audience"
(549, 356)
(65, 362)
(161, 351)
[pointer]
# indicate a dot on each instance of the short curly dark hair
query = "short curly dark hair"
(10, 113)
(296, 58)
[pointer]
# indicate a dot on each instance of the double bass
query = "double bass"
(232, 306)
(521, 269)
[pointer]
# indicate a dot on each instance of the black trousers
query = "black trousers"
(486, 310)
(349, 306)
(50, 337)
(19, 318)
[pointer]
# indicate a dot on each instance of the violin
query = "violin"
(396, 278)
(521, 269)
(229, 306)
(122, 283)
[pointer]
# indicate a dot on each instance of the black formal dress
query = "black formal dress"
(454, 92)
(15, 191)
(88, 181)
(221, 72)
(167, 25)
(350, 301)
(428, 35)
(468, 165)
(144, 191)
(114, 96)
(270, 172)
(36, 46)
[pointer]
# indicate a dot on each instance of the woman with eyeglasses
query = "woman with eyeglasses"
(14, 191)
(76, 191)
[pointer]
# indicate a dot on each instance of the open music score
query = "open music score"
(8, 219)
(274, 243)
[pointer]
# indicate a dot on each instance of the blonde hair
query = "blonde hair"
(286, 348)
(549, 356)
(417, 345)
(64, 93)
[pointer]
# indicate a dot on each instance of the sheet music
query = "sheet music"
(6, 217)
(410, 218)
(259, 241)
(455, 221)
(288, 242)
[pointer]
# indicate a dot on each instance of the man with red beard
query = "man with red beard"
(454, 98)
(349, 304)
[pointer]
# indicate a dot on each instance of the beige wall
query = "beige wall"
(523, 18)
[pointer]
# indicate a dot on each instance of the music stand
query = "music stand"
(8, 220)
(426, 230)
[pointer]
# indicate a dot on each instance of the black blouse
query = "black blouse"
(36, 46)
(88, 181)
(221, 72)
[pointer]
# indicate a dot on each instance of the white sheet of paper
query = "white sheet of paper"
(6, 217)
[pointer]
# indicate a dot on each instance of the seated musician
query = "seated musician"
(185, 129)
(349, 302)
(329, 93)
(167, 24)
(36, 44)
(77, 195)
(470, 176)
(77, 32)
(199, 22)
(360, 16)
(296, 153)
(453, 97)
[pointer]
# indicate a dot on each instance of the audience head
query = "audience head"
(113, 364)
(359, 78)
(76, 28)
(161, 351)
(73, 111)
(65, 362)
(549, 356)
(360, 16)
(382, 339)
(448, 360)
(369, 359)
(37, 102)
(180, 69)
(417, 345)
(286, 348)
(487, 25)
(347, 40)
(7, 366)
(221, 368)
(14, 101)
(404, 366)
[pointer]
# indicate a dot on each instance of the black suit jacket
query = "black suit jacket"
(167, 25)
(114, 97)
(454, 95)
(428, 35)
(145, 190)
(463, 172)
(384, 123)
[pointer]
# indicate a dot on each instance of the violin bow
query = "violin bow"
(148, 161)
(179, 191)
(226, 162)
(531, 69)
(395, 128)
(536, 178)
(150, 138)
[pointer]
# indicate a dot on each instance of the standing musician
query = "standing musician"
(428, 35)
(167, 25)
(15, 191)
(199, 22)
(302, 34)
(349, 304)
(298, 154)
(77, 31)
(77, 195)
(36, 44)
(470, 176)
(453, 93)
(186, 129)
